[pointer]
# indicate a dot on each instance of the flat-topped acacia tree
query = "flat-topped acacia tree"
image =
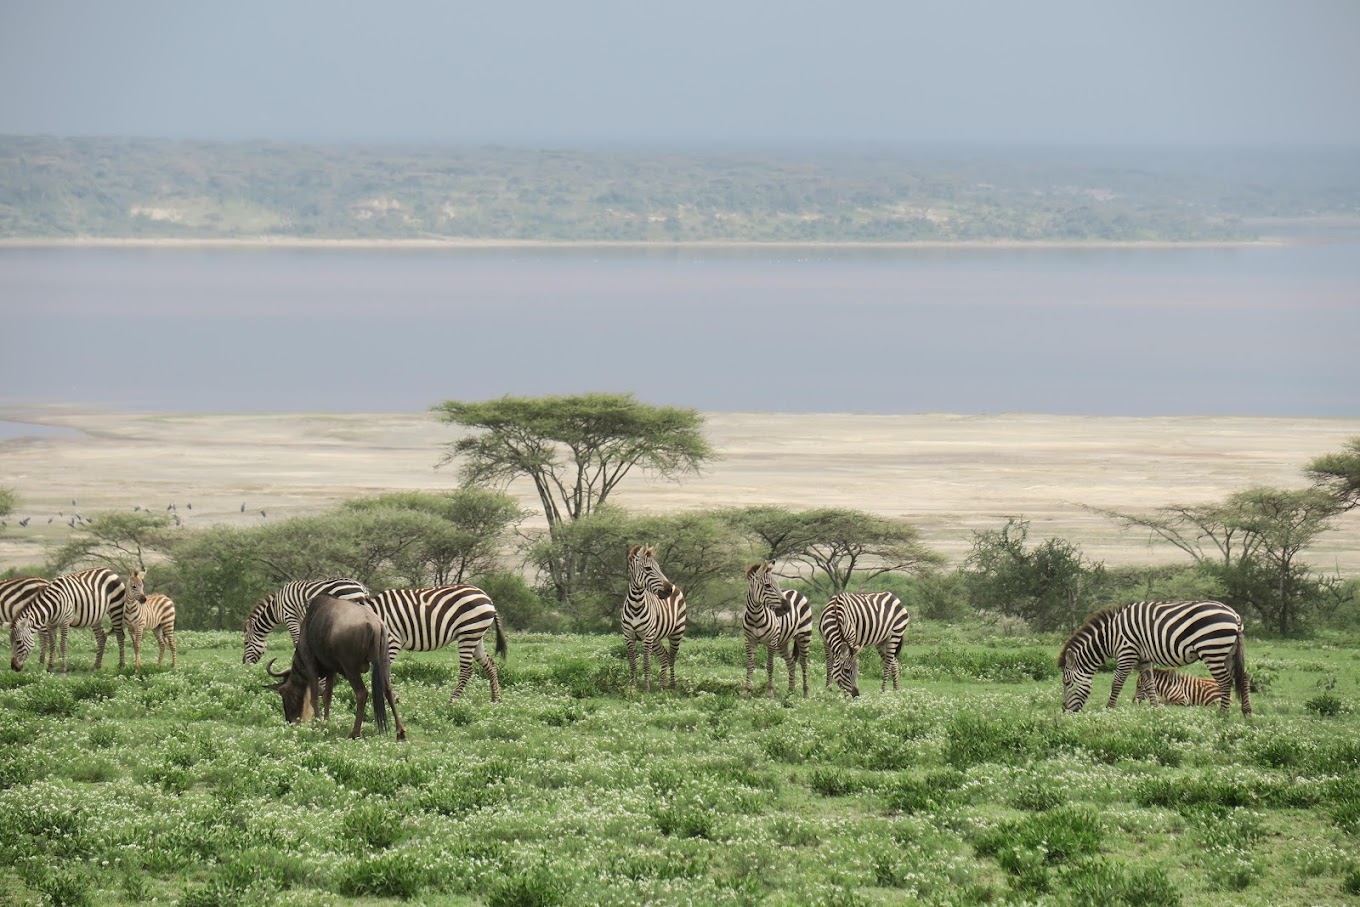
(575, 449)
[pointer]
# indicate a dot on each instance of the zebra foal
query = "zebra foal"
(776, 619)
(1175, 688)
(1139, 635)
(853, 621)
(654, 613)
(158, 616)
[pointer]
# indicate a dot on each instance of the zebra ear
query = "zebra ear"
(633, 552)
(751, 570)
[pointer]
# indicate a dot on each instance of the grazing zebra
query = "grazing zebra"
(776, 619)
(71, 600)
(824, 627)
(856, 620)
(158, 616)
(1175, 688)
(1140, 634)
(422, 620)
(287, 605)
(653, 612)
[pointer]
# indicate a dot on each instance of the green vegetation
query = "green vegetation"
(186, 786)
(130, 187)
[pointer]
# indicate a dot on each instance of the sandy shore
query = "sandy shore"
(948, 474)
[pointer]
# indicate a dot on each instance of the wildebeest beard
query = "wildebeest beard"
(298, 702)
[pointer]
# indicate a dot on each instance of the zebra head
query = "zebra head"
(843, 663)
(1076, 688)
(22, 638)
(644, 573)
(1081, 656)
(762, 591)
(136, 587)
(259, 622)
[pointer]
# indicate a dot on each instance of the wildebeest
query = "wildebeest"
(338, 637)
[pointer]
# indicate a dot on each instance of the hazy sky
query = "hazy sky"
(696, 72)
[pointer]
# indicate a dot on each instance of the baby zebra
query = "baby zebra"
(856, 620)
(776, 619)
(158, 616)
(1175, 688)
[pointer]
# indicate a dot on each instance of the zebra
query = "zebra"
(158, 616)
(71, 600)
(287, 605)
(1140, 634)
(422, 620)
(1175, 688)
(653, 611)
(132, 614)
(855, 620)
(776, 619)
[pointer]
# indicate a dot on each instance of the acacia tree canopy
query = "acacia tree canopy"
(575, 449)
(1339, 474)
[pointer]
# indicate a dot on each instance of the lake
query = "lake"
(1245, 330)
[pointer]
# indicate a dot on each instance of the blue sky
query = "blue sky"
(692, 74)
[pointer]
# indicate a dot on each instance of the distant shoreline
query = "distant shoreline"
(297, 242)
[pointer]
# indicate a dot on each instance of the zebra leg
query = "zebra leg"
(99, 638)
(136, 634)
(790, 656)
(464, 672)
(118, 632)
(63, 630)
(673, 655)
(174, 649)
(647, 665)
(631, 643)
(1147, 683)
(1123, 665)
(490, 667)
(1223, 675)
(769, 671)
(160, 643)
(750, 663)
(801, 650)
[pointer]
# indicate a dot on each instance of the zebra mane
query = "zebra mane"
(1092, 623)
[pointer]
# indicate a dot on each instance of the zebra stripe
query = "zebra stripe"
(1175, 688)
(653, 611)
(776, 619)
(158, 614)
(72, 600)
(422, 620)
(16, 593)
(1140, 634)
(857, 620)
(287, 605)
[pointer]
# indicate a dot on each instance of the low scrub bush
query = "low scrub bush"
(1106, 883)
(390, 874)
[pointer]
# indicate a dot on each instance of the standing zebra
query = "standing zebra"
(287, 605)
(653, 611)
(1175, 688)
(158, 616)
(71, 600)
(776, 619)
(132, 614)
(1140, 634)
(422, 620)
(856, 620)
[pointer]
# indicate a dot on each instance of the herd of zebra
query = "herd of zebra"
(1138, 636)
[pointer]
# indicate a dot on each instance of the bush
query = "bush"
(388, 875)
(372, 826)
(1104, 883)
(1325, 705)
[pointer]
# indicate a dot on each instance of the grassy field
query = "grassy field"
(966, 787)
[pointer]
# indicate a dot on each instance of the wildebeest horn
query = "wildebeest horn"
(270, 669)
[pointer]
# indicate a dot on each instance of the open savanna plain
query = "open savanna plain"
(967, 786)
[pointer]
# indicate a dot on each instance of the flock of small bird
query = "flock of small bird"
(75, 520)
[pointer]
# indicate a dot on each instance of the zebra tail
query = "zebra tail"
(1240, 676)
(381, 679)
(501, 649)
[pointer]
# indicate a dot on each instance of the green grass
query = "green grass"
(967, 787)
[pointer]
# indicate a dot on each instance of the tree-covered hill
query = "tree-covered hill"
(132, 187)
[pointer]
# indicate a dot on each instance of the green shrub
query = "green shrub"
(52, 698)
(834, 781)
(1351, 883)
(1105, 883)
(1325, 705)
(1027, 848)
(372, 826)
(973, 739)
(389, 875)
(539, 886)
(94, 686)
